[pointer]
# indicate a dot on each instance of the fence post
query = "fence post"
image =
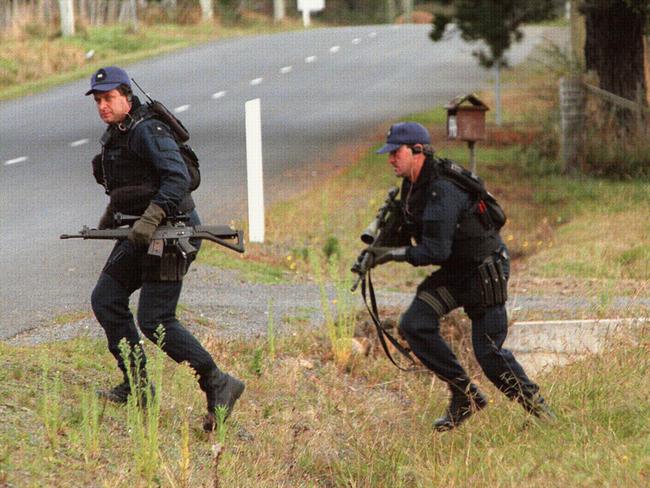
(572, 122)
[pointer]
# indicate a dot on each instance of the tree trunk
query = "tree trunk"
(614, 50)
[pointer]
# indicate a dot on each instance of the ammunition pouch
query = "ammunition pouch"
(98, 171)
(171, 266)
(493, 282)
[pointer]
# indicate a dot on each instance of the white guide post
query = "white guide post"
(254, 172)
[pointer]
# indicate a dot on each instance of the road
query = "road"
(318, 88)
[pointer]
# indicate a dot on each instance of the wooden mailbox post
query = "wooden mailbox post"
(466, 122)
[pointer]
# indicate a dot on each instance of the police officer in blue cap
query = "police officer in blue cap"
(143, 173)
(449, 229)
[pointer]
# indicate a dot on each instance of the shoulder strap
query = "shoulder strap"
(461, 177)
(381, 332)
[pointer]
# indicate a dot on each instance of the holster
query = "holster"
(493, 282)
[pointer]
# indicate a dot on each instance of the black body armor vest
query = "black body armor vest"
(473, 240)
(129, 180)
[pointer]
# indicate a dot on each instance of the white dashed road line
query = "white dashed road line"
(286, 69)
(372, 34)
(335, 49)
(257, 81)
(356, 40)
(219, 94)
(78, 143)
(15, 160)
(182, 108)
(310, 59)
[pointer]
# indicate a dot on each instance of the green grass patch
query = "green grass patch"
(252, 271)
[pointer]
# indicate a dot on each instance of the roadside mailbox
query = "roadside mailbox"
(466, 118)
(466, 121)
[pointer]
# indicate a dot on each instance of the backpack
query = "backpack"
(486, 206)
(181, 136)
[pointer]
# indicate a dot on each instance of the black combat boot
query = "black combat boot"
(537, 406)
(117, 394)
(120, 393)
(464, 402)
(221, 389)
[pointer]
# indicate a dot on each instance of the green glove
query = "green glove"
(107, 221)
(143, 229)
(381, 255)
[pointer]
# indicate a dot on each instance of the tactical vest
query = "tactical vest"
(130, 181)
(473, 240)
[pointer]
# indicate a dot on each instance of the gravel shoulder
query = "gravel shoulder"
(221, 303)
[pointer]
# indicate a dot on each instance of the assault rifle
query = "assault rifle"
(376, 234)
(173, 231)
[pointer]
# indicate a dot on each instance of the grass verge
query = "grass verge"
(303, 421)
(38, 61)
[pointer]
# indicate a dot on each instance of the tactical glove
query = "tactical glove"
(381, 255)
(143, 229)
(107, 221)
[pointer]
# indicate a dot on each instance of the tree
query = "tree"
(614, 44)
(495, 22)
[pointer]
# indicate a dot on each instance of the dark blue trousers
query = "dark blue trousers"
(421, 328)
(122, 276)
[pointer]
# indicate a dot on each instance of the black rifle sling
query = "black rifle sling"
(381, 333)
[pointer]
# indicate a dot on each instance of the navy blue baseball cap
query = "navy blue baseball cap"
(108, 78)
(408, 133)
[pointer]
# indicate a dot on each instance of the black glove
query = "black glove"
(143, 229)
(381, 255)
(107, 220)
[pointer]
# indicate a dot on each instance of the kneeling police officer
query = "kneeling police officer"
(440, 217)
(143, 173)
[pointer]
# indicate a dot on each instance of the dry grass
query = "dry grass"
(304, 421)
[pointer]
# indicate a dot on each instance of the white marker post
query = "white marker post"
(308, 6)
(255, 175)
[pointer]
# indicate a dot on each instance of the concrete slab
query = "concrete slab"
(542, 344)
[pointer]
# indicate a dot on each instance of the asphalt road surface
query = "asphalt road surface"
(318, 88)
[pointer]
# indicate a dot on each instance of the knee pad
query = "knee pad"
(439, 300)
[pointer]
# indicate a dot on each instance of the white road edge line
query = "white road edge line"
(335, 49)
(310, 59)
(78, 143)
(257, 81)
(286, 69)
(15, 160)
(219, 94)
(181, 108)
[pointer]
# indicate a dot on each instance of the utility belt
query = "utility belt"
(480, 287)
(134, 199)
